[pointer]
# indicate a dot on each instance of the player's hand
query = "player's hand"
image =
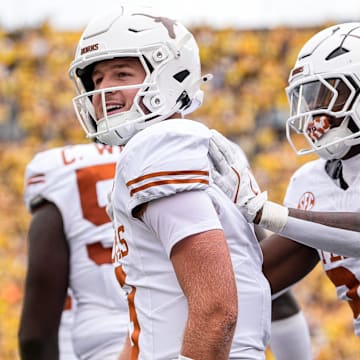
(231, 172)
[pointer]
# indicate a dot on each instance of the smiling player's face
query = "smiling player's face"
(116, 72)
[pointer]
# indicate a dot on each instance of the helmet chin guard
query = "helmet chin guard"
(335, 145)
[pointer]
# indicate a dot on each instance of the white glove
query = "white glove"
(231, 172)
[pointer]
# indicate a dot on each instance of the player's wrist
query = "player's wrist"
(272, 216)
(251, 207)
(258, 216)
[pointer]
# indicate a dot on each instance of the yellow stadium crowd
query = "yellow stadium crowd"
(245, 100)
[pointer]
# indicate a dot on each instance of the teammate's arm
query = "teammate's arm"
(45, 286)
(333, 232)
(286, 261)
(349, 220)
(285, 305)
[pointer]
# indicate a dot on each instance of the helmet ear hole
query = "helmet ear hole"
(156, 101)
(184, 100)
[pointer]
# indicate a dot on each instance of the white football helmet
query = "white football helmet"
(170, 57)
(323, 92)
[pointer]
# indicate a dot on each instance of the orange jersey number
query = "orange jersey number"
(87, 179)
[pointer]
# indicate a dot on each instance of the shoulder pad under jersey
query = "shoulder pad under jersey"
(305, 173)
(166, 158)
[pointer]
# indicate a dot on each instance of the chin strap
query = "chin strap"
(334, 169)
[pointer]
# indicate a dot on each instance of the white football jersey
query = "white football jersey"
(311, 188)
(66, 349)
(77, 179)
(164, 159)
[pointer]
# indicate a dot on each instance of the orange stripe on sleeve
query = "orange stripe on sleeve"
(39, 178)
(167, 173)
(164, 182)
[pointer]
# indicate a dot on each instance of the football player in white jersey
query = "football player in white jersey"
(184, 254)
(323, 91)
(66, 349)
(70, 242)
(186, 257)
(290, 336)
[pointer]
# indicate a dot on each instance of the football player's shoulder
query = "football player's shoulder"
(83, 155)
(303, 179)
(173, 128)
(38, 175)
(71, 156)
(310, 168)
(166, 144)
(51, 173)
(168, 157)
(44, 162)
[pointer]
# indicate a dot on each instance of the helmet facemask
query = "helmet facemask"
(322, 109)
(323, 93)
(105, 128)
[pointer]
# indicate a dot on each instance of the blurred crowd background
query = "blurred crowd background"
(245, 100)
